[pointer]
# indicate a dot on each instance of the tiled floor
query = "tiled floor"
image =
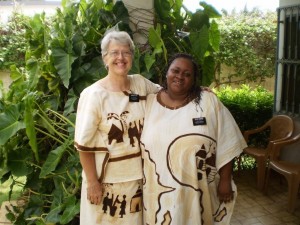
(252, 207)
(255, 208)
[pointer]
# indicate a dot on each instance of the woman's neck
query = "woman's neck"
(116, 83)
(173, 100)
(176, 97)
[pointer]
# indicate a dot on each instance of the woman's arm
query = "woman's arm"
(94, 187)
(225, 192)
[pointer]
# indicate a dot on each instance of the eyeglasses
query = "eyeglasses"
(115, 54)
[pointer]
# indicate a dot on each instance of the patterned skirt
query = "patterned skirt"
(121, 204)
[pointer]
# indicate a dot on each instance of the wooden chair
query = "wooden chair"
(290, 170)
(281, 127)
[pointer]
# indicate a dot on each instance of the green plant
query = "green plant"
(251, 107)
(176, 29)
(12, 41)
(248, 45)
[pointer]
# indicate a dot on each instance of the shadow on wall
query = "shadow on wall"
(268, 83)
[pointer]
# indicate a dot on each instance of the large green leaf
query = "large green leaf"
(10, 123)
(156, 41)
(136, 67)
(79, 45)
(162, 9)
(29, 122)
(121, 12)
(33, 69)
(198, 20)
(63, 63)
(54, 215)
(200, 42)
(214, 36)
(106, 17)
(208, 70)
(34, 206)
(210, 10)
(53, 159)
(70, 104)
(17, 162)
(149, 61)
(154, 37)
(72, 209)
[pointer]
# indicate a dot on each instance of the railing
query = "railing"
(287, 92)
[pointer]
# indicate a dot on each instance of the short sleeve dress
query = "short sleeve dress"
(110, 124)
(182, 151)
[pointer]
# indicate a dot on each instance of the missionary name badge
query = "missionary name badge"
(134, 98)
(199, 121)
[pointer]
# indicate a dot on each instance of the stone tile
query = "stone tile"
(269, 220)
(255, 208)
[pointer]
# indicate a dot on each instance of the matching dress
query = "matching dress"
(110, 124)
(182, 151)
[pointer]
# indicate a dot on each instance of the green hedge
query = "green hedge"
(250, 107)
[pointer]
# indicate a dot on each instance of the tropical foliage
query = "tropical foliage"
(13, 41)
(248, 46)
(62, 57)
(250, 107)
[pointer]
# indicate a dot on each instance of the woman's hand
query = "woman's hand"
(94, 187)
(225, 193)
(94, 192)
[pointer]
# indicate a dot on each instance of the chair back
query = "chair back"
(277, 147)
(281, 126)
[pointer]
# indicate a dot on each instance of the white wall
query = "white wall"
(141, 16)
(288, 2)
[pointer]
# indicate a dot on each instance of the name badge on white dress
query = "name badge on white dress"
(134, 98)
(199, 121)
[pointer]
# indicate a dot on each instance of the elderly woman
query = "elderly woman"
(109, 121)
(188, 166)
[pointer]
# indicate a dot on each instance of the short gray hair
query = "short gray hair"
(121, 37)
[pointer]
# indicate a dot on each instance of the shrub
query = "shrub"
(248, 45)
(13, 41)
(250, 107)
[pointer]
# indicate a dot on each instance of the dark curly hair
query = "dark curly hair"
(195, 91)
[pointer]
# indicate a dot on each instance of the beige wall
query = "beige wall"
(141, 18)
(5, 78)
(268, 84)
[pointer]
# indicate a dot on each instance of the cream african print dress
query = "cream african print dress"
(109, 124)
(182, 151)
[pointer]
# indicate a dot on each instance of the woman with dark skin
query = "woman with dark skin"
(188, 167)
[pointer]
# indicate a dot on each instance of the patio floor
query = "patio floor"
(255, 208)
